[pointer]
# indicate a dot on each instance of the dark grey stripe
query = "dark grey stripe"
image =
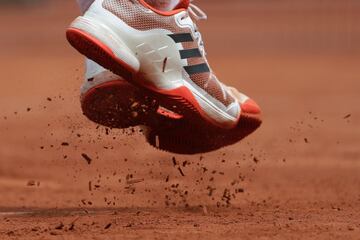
(181, 37)
(190, 53)
(199, 68)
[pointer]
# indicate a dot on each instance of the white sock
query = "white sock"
(163, 5)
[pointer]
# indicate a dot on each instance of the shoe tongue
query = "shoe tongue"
(182, 4)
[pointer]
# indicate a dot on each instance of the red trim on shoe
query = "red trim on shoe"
(77, 33)
(184, 4)
(163, 13)
(167, 113)
(187, 98)
(250, 106)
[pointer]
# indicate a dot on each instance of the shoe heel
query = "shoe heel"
(97, 42)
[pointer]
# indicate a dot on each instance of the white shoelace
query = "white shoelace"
(197, 14)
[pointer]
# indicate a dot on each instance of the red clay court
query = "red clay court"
(297, 177)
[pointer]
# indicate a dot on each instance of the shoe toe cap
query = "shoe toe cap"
(250, 107)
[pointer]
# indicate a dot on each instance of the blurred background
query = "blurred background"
(298, 59)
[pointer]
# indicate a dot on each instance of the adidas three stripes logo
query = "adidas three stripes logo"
(190, 53)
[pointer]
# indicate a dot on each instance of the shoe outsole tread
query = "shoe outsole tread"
(183, 138)
(105, 104)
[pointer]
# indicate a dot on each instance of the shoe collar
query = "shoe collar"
(182, 6)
